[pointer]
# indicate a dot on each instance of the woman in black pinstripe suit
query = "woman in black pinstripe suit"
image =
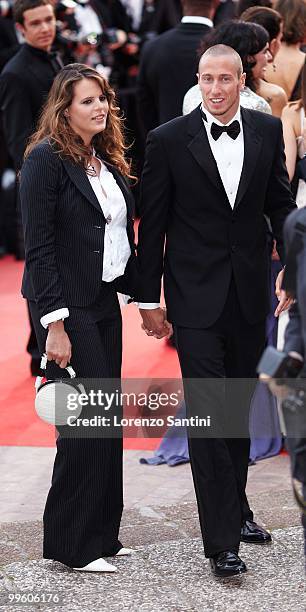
(77, 215)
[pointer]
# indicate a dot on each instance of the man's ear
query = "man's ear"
(242, 81)
(20, 28)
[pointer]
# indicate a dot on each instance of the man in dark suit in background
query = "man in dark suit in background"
(169, 63)
(24, 85)
(27, 78)
(208, 180)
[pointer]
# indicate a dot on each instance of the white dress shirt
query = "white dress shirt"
(228, 154)
(117, 249)
(87, 20)
(197, 19)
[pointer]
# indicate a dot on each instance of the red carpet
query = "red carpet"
(143, 357)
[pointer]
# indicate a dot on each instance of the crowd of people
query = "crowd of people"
(83, 83)
(137, 45)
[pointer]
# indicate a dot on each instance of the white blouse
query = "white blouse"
(116, 245)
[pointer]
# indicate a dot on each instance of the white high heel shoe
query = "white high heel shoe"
(124, 552)
(99, 565)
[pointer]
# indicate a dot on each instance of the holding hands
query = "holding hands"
(154, 323)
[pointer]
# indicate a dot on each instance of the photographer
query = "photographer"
(286, 372)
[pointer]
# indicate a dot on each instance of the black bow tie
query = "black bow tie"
(233, 130)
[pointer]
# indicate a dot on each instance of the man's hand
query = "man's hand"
(285, 300)
(58, 346)
(155, 323)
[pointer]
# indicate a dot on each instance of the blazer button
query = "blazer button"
(98, 226)
(97, 251)
(233, 248)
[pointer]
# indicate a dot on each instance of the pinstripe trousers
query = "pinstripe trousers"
(85, 502)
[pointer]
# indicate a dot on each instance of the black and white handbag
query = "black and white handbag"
(56, 401)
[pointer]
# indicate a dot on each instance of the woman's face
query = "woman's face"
(87, 113)
(262, 58)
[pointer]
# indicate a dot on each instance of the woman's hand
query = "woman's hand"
(58, 345)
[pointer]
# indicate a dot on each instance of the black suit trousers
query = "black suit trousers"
(229, 349)
(84, 505)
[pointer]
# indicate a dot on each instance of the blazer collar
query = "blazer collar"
(39, 63)
(79, 177)
(201, 151)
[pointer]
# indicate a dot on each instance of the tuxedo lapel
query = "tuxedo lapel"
(252, 147)
(200, 148)
(79, 177)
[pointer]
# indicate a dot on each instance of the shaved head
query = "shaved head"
(225, 51)
(221, 79)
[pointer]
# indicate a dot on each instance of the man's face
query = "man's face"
(38, 27)
(220, 86)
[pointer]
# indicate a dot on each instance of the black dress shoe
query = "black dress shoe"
(251, 533)
(226, 564)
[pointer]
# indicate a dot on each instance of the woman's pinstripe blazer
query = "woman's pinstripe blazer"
(64, 233)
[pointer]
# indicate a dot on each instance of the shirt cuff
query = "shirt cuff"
(124, 299)
(296, 355)
(147, 305)
(56, 315)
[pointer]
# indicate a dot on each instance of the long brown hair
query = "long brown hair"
(54, 126)
(293, 13)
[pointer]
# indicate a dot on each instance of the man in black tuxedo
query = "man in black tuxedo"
(27, 78)
(169, 62)
(208, 180)
(24, 85)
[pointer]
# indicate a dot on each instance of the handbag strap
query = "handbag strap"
(43, 366)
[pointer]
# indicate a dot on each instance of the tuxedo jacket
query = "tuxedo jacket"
(207, 242)
(64, 232)
(168, 68)
(24, 85)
